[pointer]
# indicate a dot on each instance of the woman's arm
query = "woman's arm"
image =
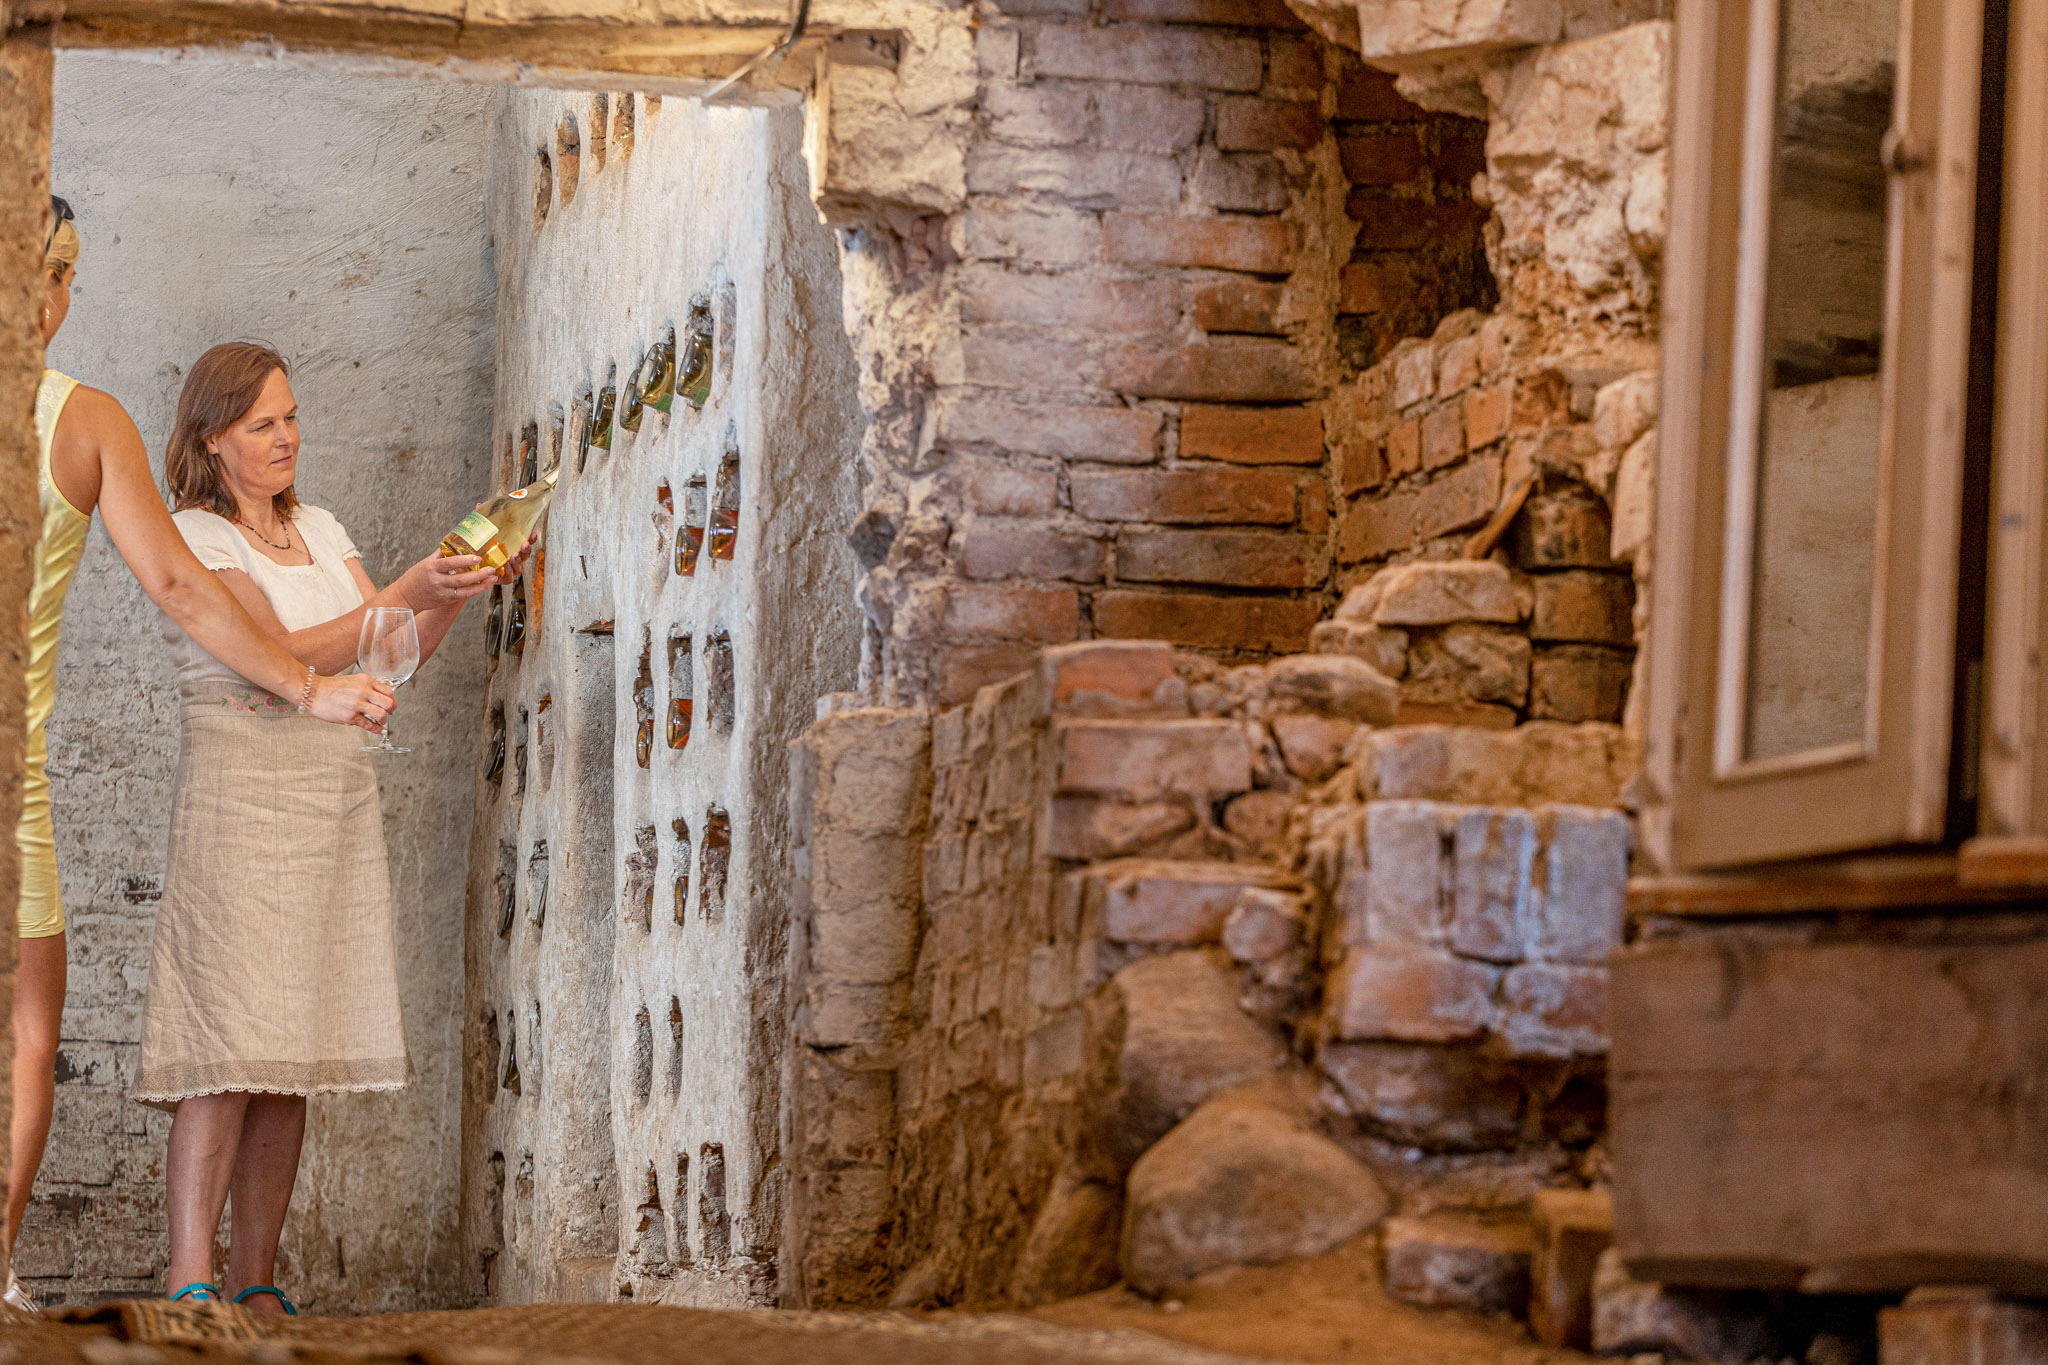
(96, 434)
(430, 587)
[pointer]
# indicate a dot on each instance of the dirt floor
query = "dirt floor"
(1328, 1309)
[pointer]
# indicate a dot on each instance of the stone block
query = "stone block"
(1043, 233)
(1240, 1184)
(1248, 306)
(1407, 887)
(1360, 464)
(1085, 178)
(1439, 592)
(1414, 369)
(1258, 246)
(1220, 370)
(1582, 606)
(1146, 760)
(1151, 900)
(1394, 29)
(1332, 685)
(1571, 1229)
(1047, 615)
(1468, 663)
(994, 295)
(1404, 448)
(1493, 859)
(1446, 1260)
(1239, 559)
(1116, 435)
(1486, 415)
(1149, 56)
(1182, 1039)
(1250, 182)
(1443, 436)
(1256, 125)
(1414, 995)
(1385, 650)
(1526, 766)
(1312, 746)
(1186, 494)
(1625, 409)
(1567, 530)
(1961, 1326)
(1265, 625)
(1580, 915)
(1265, 924)
(1457, 366)
(1442, 1098)
(1013, 549)
(1114, 677)
(1002, 488)
(1634, 1317)
(1552, 1009)
(1635, 499)
(1251, 435)
(1259, 818)
(1086, 828)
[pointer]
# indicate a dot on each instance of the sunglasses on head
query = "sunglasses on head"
(60, 214)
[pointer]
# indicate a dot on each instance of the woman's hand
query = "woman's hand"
(516, 565)
(353, 699)
(444, 581)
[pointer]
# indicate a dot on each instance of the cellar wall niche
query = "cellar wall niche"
(694, 598)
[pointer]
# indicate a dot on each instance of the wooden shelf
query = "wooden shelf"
(1936, 879)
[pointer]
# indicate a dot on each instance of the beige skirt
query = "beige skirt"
(273, 967)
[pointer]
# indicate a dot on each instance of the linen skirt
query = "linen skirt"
(273, 966)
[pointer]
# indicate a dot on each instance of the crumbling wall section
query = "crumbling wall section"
(628, 890)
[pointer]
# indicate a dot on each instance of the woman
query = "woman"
(273, 975)
(92, 456)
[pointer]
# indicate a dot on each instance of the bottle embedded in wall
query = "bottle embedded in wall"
(725, 511)
(529, 454)
(631, 405)
(494, 625)
(643, 705)
(598, 429)
(690, 534)
(494, 769)
(540, 579)
(693, 379)
(515, 619)
(586, 426)
(681, 691)
(659, 389)
(511, 1081)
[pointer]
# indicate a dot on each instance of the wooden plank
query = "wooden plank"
(2008, 860)
(1874, 882)
(1847, 1115)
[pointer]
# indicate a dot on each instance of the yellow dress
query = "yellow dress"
(58, 547)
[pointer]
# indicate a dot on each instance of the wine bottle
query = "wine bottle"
(659, 391)
(496, 769)
(494, 625)
(511, 1081)
(631, 410)
(678, 722)
(694, 381)
(643, 741)
(601, 419)
(515, 621)
(690, 535)
(495, 531)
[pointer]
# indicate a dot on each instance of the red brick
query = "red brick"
(1252, 435)
(1315, 508)
(1579, 683)
(1416, 995)
(996, 550)
(992, 294)
(1549, 1009)
(1130, 671)
(1249, 125)
(1143, 760)
(1382, 158)
(1147, 900)
(1448, 1260)
(996, 488)
(1020, 358)
(1373, 286)
(1443, 436)
(1486, 416)
(1238, 306)
(1563, 531)
(1224, 370)
(1116, 435)
(1414, 369)
(1371, 404)
(1148, 118)
(1404, 224)
(1259, 246)
(1404, 448)
(1227, 13)
(1266, 625)
(1047, 615)
(1089, 177)
(1579, 605)
(965, 669)
(1377, 527)
(1235, 559)
(1059, 115)
(1367, 95)
(1457, 367)
(1295, 63)
(1543, 399)
(1188, 494)
(1360, 465)
(1248, 183)
(1149, 56)
(1031, 232)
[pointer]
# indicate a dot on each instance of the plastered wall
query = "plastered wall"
(340, 219)
(628, 894)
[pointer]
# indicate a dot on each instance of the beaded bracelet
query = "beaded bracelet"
(306, 696)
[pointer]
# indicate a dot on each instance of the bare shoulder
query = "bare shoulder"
(93, 417)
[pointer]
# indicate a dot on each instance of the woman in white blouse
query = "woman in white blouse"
(273, 973)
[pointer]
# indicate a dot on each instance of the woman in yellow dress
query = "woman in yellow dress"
(92, 456)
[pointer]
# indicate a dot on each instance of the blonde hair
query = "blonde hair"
(221, 388)
(62, 253)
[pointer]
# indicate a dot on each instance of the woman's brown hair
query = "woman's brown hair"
(221, 388)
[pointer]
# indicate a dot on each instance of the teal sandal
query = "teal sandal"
(272, 1290)
(199, 1291)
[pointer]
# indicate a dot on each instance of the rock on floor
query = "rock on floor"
(1240, 1184)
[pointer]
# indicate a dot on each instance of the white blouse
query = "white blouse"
(302, 595)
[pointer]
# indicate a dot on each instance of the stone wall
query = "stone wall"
(628, 888)
(357, 247)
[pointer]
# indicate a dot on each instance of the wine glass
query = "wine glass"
(389, 651)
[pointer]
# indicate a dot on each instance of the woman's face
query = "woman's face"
(259, 453)
(57, 303)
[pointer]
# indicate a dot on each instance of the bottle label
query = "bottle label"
(476, 531)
